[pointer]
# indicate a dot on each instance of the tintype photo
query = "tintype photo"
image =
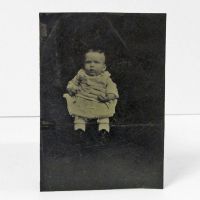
(102, 86)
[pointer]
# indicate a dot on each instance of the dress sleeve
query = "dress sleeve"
(74, 83)
(112, 88)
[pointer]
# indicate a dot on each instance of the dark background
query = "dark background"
(134, 45)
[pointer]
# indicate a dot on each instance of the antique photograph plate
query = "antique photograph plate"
(102, 90)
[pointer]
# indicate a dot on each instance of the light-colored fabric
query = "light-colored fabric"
(90, 87)
(85, 103)
(79, 123)
(103, 124)
(78, 106)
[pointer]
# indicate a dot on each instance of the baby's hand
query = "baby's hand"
(106, 98)
(111, 97)
(103, 98)
(72, 91)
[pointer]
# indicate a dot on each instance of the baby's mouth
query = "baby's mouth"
(92, 72)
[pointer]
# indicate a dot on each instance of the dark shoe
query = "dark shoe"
(82, 137)
(104, 137)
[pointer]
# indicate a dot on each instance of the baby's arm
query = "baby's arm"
(107, 97)
(73, 85)
(111, 92)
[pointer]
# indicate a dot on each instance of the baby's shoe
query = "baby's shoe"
(104, 137)
(82, 137)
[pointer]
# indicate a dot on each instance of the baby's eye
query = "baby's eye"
(88, 61)
(96, 62)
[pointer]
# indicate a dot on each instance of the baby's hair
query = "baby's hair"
(96, 50)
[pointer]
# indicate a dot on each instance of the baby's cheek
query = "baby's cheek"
(86, 66)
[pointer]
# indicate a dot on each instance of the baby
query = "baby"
(92, 94)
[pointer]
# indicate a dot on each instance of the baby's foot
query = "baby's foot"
(82, 136)
(104, 136)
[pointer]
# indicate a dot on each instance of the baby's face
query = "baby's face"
(94, 63)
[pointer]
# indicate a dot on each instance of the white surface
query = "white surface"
(19, 130)
(19, 86)
(19, 49)
(19, 168)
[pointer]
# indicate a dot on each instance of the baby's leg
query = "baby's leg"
(79, 123)
(104, 124)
